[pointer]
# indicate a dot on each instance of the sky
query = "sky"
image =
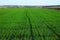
(29, 2)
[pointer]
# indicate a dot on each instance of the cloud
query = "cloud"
(29, 2)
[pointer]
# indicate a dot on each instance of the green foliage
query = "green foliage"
(15, 25)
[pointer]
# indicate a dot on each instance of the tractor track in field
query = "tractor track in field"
(30, 25)
(42, 36)
(49, 27)
(53, 31)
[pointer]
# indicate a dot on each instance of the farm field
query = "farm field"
(29, 24)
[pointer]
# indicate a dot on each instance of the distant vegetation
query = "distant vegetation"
(52, 7)
(21, 6)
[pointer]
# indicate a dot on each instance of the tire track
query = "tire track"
(39, 35)
(30, 25)
(49, 27)
(53, 31)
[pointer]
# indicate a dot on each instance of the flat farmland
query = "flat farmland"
(29, 24)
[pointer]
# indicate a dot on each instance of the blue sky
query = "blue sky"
(29, 2)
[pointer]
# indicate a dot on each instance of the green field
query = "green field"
(29, 24)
